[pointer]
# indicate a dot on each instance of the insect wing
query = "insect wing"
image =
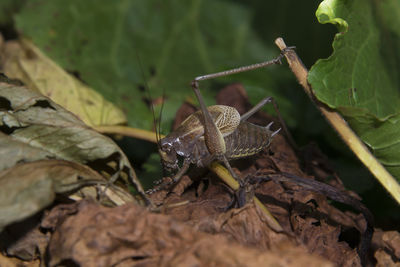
(226, 119)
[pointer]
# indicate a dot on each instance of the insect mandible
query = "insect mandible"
(217, 132)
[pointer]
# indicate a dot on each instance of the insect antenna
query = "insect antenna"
(147, 90)
(160, 115)
(156, 124)
(159, 131)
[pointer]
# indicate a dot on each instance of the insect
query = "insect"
(216, 133)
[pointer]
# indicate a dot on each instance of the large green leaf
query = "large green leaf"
(175, 40)
(360, 78)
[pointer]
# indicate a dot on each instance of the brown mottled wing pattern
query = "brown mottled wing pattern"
(228, 118)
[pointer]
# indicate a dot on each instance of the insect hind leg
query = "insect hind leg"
(256, 108)
(266, 100)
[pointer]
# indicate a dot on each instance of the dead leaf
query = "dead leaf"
(24, 240)
(13, 152)
(14, 262)
(131, 236)
(28, 188)
(392, 240)
(384, 259)
(35, 120)
(387, 241)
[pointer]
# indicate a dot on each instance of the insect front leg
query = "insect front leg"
(174, 180)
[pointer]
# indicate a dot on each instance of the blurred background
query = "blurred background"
(124, 49)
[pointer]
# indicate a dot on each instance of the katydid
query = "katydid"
(217, 132)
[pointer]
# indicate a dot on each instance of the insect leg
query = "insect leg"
(174, 180)
(276, 60)
(181, 172)
(228, 166)
(257, 107)
(213, 137)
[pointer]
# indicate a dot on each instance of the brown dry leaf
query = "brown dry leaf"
(24, 61)
(388, 242)
(318, 230)
(392, 241)
(246, 226)
(13, 262)
(28, 188)
(384, 259)
(13, 152)
(211, 213)
(24, 239)
(50, 131)
(131, 236)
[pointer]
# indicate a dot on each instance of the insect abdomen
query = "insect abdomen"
(247, 140)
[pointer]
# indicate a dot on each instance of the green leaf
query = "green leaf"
(7, 10)
(175, 41)
(360, 78)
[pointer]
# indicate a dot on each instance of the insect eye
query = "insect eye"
(166, 147)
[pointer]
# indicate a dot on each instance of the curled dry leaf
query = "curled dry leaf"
(24, 240)
(34, 119)
(392, 241)
(131, 236)
(13, 152)
(389, 242)
(29, 187)
(13, 262)
(384, 259)
(39, 130)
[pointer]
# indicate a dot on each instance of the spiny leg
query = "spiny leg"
(263, 102)
(276, 60)
(213, 138)
(256, 108)
(212, 135)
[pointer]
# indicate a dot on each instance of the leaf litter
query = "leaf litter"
(197, 227)
(47, 152)
(35, 123)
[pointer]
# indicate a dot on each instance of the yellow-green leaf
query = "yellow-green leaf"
(26, 62)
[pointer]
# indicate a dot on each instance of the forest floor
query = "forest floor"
(196, 226)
